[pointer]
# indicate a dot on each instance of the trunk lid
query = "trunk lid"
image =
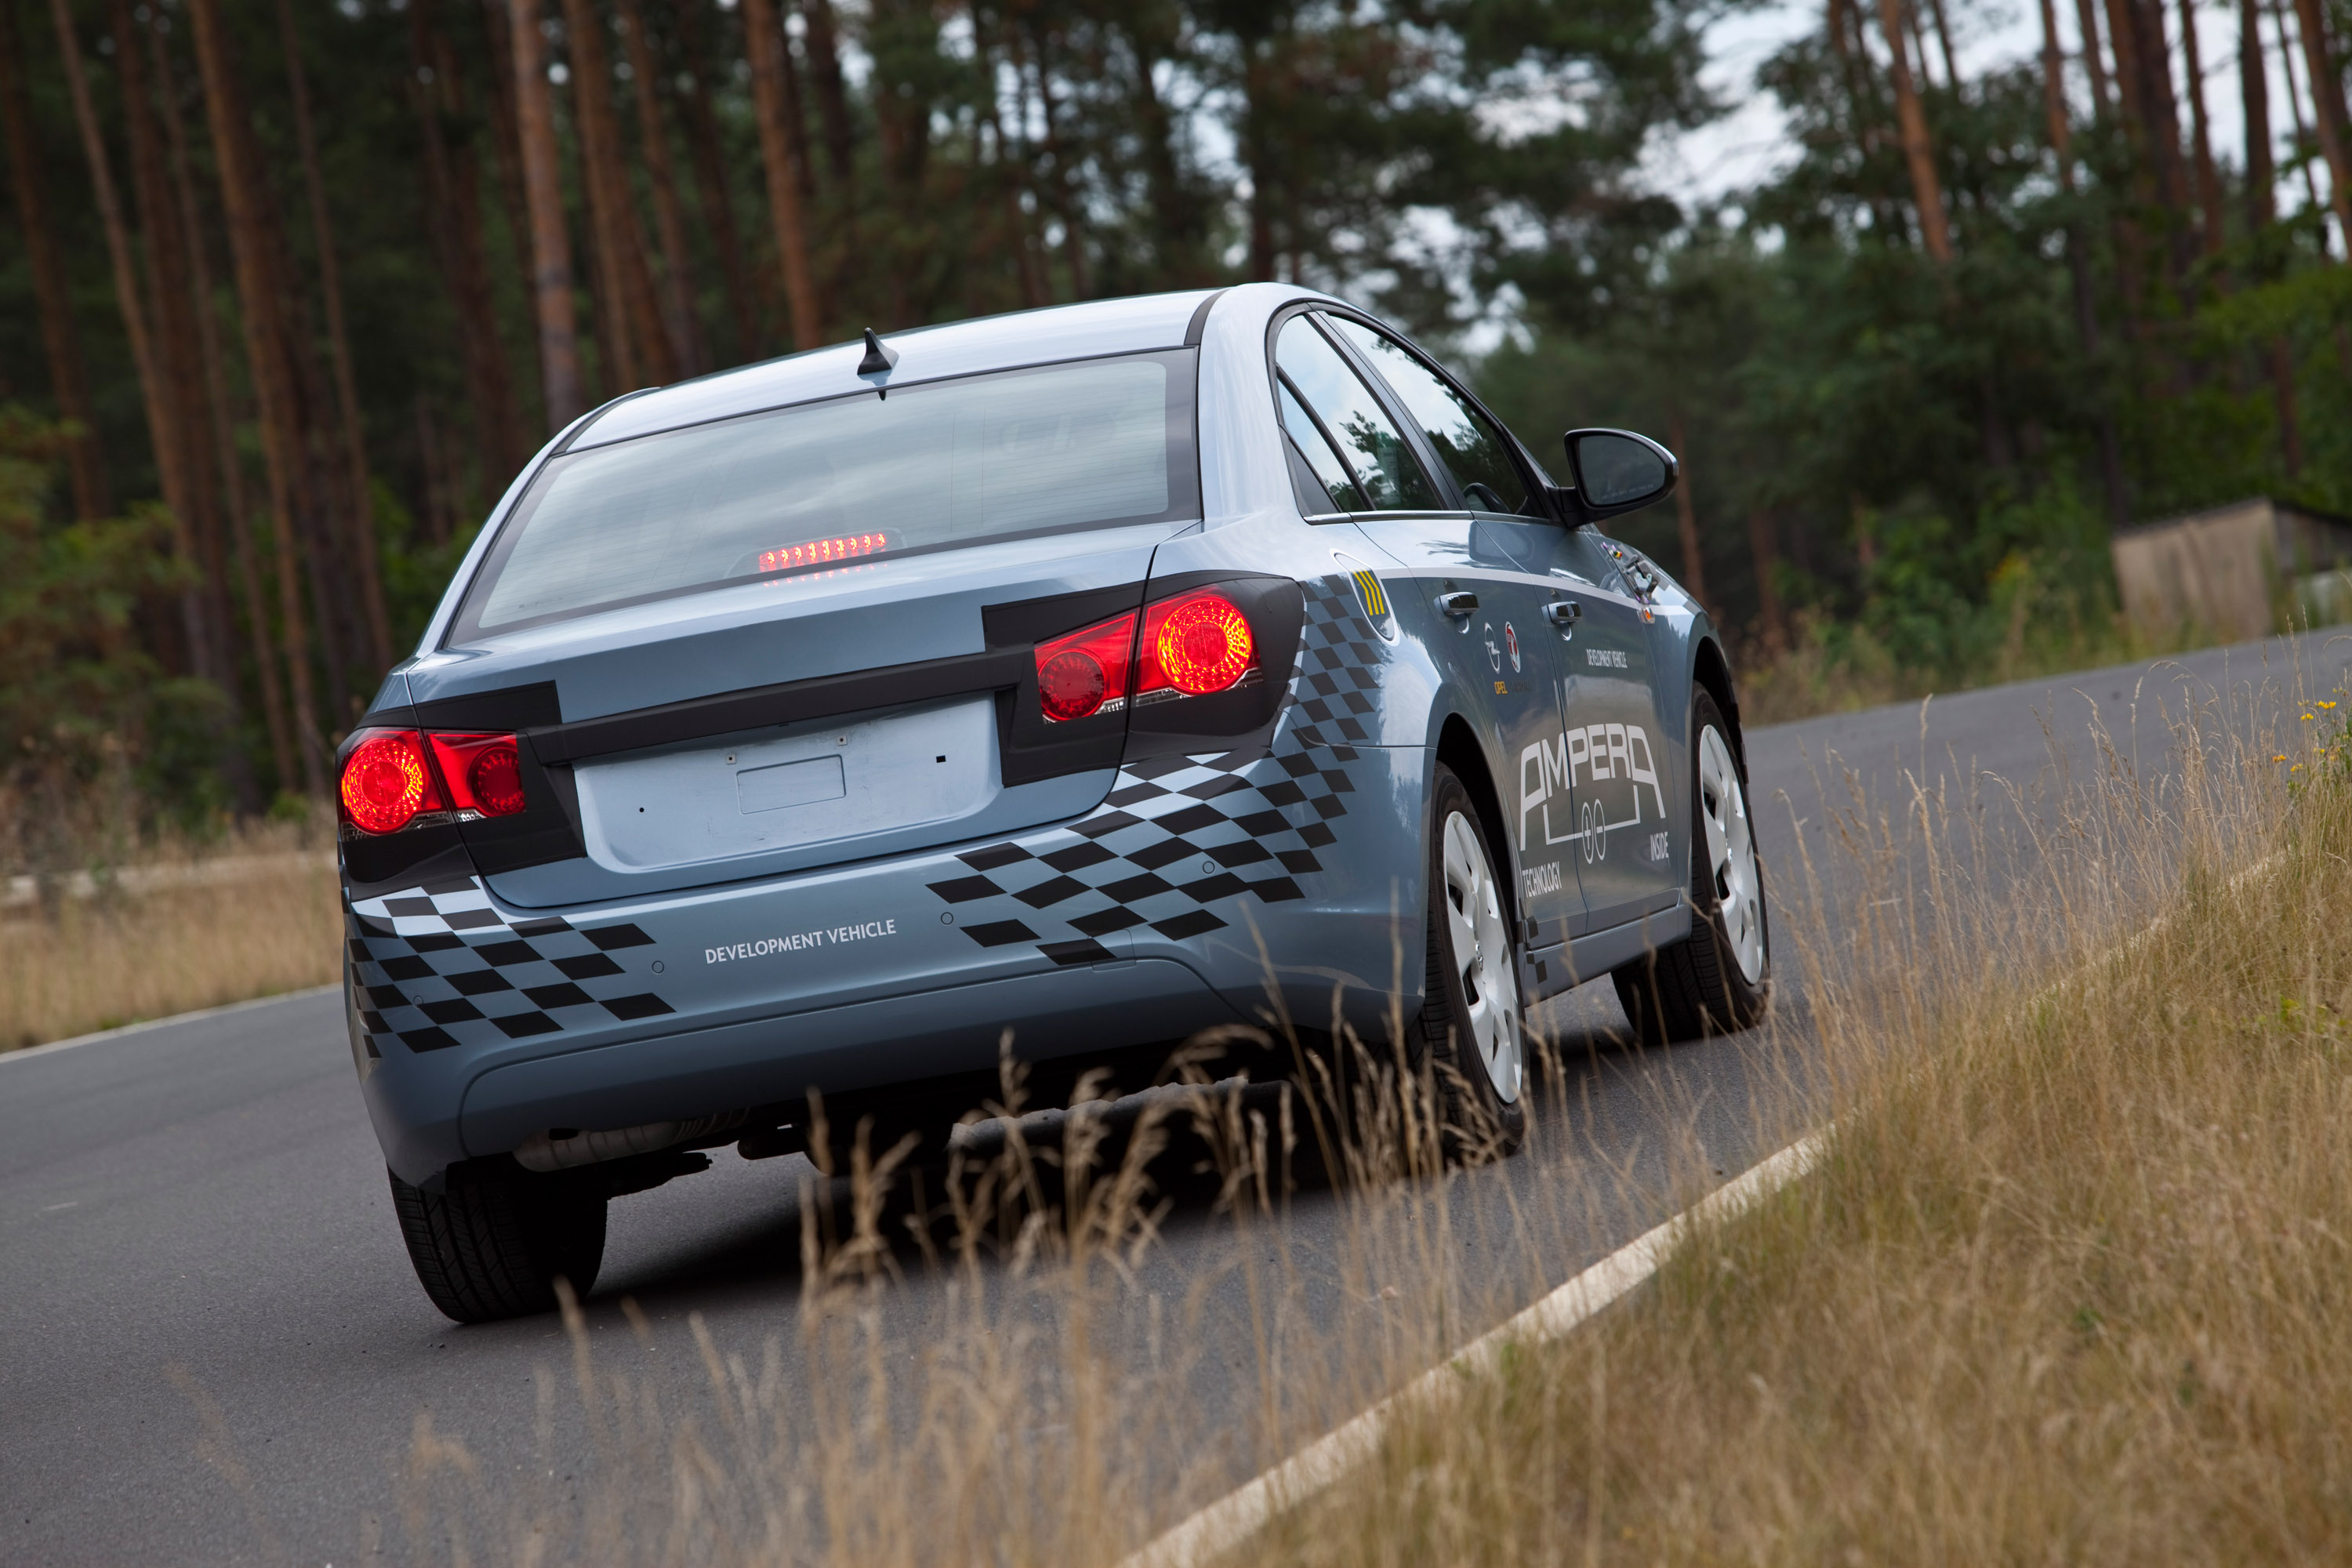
(789, 723)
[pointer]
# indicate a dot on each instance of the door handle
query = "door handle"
(1563, 613)
(1458, 603)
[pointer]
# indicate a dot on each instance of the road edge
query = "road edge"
(1223, 1525)
(144, 1025)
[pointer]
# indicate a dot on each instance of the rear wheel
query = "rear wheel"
(1717, 980)
(492, 1243)
(1470, 1039)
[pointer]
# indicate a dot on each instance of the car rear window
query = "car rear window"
(939, 465)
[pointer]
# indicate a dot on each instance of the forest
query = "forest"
(294, 290)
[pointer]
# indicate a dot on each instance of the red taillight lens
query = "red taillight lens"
(1085, 673)
(391, 777)
(386, 782)
(1195, 644)
(484, 773)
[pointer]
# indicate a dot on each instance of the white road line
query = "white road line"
(142, 1027)
(1233, 1518)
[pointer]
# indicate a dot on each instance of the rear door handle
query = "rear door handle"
(1458, 603)
(1563, 613)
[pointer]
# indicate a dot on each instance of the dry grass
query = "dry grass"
(2070, 1284)
(185, 929)
(1829, 667)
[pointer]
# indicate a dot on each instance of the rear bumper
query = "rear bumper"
(1217, 889)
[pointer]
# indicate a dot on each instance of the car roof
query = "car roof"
(925, 354)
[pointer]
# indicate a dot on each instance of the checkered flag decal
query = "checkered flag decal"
(436, 967)
(1179, 838)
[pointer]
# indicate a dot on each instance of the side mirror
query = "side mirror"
(1617, 471)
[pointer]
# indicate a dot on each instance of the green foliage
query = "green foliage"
(88, 719)
(1925, 441)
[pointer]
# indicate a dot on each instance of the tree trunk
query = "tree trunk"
(1944, 42)
(611, 219)
(2086, 17)
(224, 434)
(506, 135)
(180, 359)
(1012, 176)
(1180, 220)
(69, 383)
(1074, 247)
(453, 185)
(2209, 178)
(1918, 151)
(832, 102)
(280, 442)
(763, 40)
(2328, 113)
(2294, 111)
(2078, 267)
(361, 526)
(2254, 95)
(2262, 212)
(744, 299)
(550, 243)
(661, 176)
(154, 386)
(2160, 112)
(1764, 550)
(1686, 515)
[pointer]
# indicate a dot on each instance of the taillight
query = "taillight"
(1194, 645)
(1085, 673)
(395, 779)
(387, 783)
(483, 772)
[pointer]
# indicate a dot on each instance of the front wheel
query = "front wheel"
(1717, 980)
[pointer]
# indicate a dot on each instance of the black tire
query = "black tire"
(1698, 986)
(492, 1243)
(1477, 1120)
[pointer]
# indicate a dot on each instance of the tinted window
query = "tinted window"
(1375, 448)
(1330, 471)
(1073, 446)
(1467, 442)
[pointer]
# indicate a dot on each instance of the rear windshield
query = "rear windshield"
(821, 486)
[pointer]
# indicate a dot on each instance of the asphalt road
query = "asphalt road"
(215, 1350)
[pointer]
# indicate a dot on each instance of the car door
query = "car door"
(1615, 751)
(1463, 537)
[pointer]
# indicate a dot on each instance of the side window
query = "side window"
(1384, 467)
(1467, 442)
(1313, 449)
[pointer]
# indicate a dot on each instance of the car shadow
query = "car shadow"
(1190, 1185)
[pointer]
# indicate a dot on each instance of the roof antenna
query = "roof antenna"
(877, 363)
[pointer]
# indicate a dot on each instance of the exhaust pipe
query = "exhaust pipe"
(569, 1148)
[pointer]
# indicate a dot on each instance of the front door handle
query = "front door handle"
(1563, 613)
(1458, 603)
